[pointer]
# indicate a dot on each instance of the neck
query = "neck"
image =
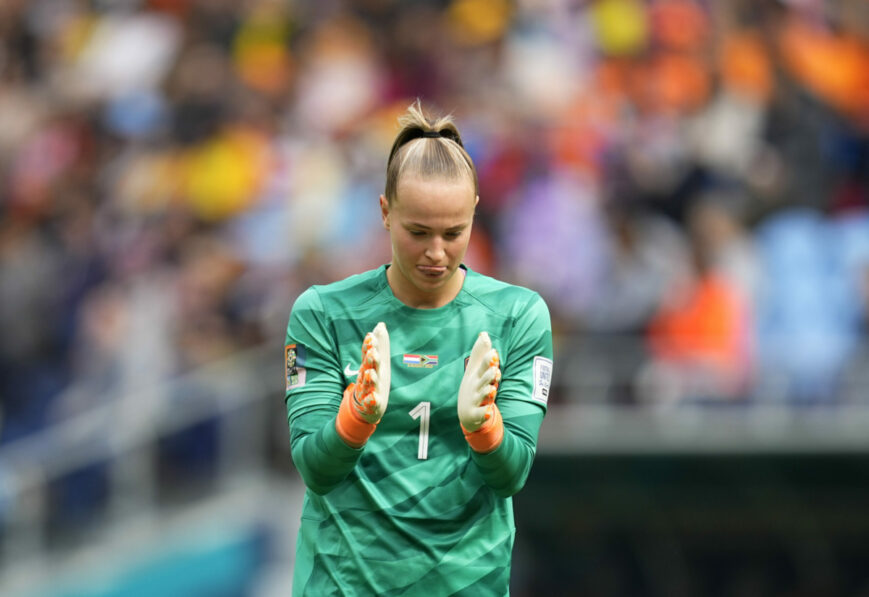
(418, 299)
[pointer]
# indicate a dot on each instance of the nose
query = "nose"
(435, 251)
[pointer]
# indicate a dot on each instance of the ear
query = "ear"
(384, 211)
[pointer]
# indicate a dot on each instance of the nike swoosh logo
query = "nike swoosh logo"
(350, 372)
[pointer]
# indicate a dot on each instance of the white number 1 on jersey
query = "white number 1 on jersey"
(422, 411)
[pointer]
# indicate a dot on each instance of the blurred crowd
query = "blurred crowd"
(688, 174)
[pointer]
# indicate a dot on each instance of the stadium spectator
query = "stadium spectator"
(130, 130)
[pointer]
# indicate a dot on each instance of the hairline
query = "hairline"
(466, 177)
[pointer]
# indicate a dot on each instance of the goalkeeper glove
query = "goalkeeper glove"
(478, 414)
(365, 400)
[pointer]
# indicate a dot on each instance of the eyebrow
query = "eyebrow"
(455, 228)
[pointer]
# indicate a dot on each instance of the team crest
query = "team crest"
(294, 361)
(425, 361)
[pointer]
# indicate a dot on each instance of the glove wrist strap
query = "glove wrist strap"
(351, 427)
(488, 437)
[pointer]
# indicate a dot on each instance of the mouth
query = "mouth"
(432, 271)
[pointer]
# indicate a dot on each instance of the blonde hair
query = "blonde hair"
(429, 149)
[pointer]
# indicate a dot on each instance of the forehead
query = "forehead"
(421, 198)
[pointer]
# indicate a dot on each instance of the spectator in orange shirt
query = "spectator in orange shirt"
(700, 338)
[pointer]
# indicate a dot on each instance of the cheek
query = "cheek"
(405, 244)
(461, 245)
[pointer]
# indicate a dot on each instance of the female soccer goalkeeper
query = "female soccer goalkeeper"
(415, 393)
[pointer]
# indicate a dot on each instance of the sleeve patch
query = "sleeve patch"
(294, 361)
(542, 379)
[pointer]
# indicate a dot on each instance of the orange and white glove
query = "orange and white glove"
(478, 414)
(365, 400)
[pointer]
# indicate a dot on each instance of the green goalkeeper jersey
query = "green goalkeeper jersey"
(415, 511)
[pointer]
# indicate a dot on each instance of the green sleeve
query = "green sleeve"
(521, 399)
(313, 395)
(321, 456)
(506, 468)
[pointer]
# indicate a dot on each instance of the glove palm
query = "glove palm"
(476, 405)
(370, 392)
(365, 400)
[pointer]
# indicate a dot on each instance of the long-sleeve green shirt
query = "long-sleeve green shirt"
(415, 510)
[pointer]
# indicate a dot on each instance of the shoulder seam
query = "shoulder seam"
(372, 295)
(530, 293)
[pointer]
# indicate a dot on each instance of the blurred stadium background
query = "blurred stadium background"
(685, 181)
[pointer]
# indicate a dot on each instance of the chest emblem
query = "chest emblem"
(426, 361)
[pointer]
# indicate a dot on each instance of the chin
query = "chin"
(429, 285)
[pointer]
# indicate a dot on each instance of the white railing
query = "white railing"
(124, 435)
(761, 429)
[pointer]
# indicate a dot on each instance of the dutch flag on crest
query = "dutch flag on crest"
(421, 360)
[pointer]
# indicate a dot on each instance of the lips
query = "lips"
(432, 271)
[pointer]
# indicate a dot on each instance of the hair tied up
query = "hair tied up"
(442, 134)
(448, 161)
